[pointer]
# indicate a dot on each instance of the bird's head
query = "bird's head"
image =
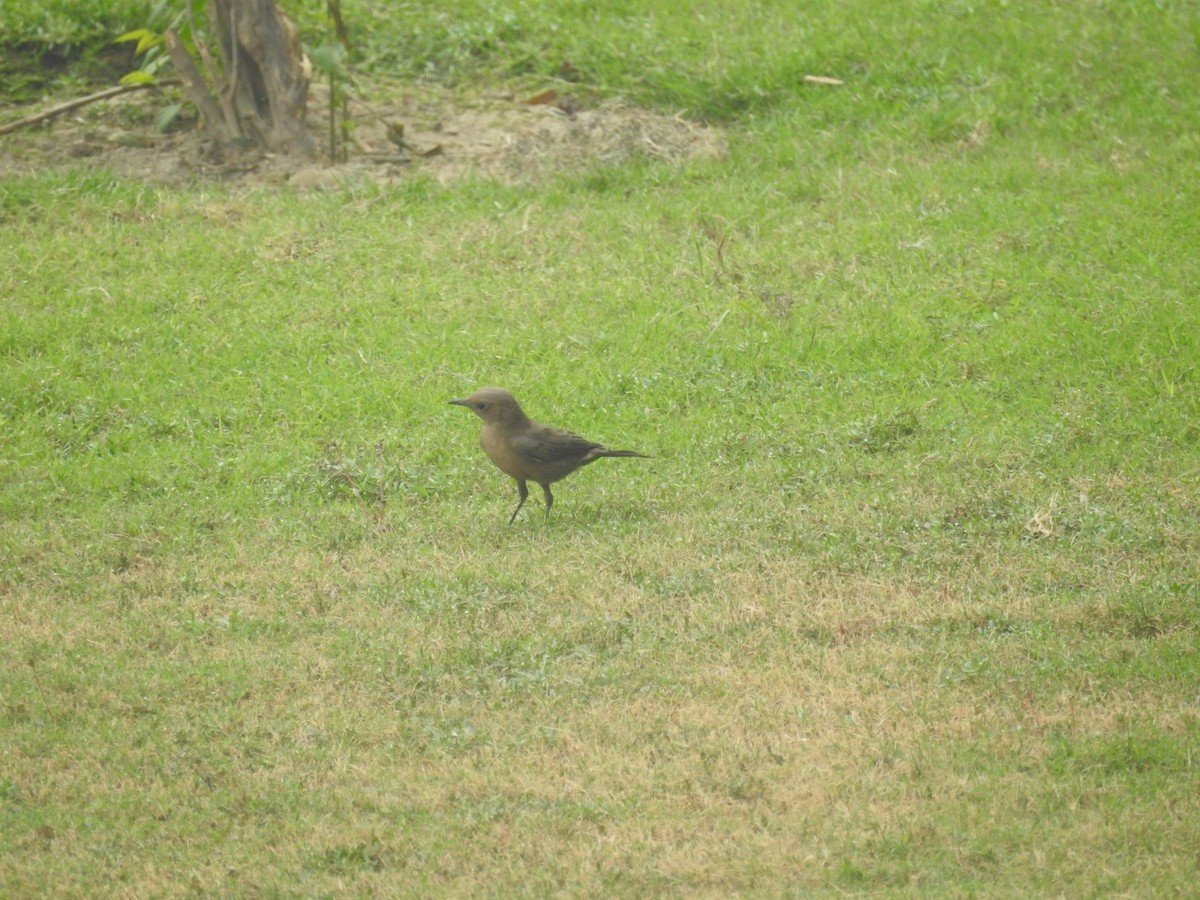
(493, 404)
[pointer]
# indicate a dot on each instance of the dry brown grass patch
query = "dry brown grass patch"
(452, 137)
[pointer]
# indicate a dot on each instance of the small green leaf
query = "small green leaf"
(136, 35)
(144, 36)
(165, 116)
(327, 58)
(138, 76)
(154, 63)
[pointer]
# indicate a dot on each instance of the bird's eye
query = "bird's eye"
(482, 404)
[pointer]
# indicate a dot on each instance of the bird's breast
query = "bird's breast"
(499, 449)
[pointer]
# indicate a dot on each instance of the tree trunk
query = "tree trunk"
(259, 92)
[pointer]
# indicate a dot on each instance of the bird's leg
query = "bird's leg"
(522, 492)
(549, 498)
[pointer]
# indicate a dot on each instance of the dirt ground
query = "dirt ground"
(501, 136)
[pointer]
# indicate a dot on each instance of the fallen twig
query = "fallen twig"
(74, 104)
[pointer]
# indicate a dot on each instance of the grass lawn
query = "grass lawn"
(906, 602)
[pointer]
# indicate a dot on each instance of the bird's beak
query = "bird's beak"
(460, 403)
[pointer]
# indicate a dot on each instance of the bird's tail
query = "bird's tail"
(607, 452)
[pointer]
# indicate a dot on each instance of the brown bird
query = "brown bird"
(527, 450)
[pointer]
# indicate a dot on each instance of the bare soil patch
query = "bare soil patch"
(499, 136)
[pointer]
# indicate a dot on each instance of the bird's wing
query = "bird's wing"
(550, 445)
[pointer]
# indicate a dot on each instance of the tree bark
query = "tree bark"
(266, 74)
(259, 92)
(194, 85)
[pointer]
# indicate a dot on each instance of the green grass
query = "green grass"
(906, 602)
